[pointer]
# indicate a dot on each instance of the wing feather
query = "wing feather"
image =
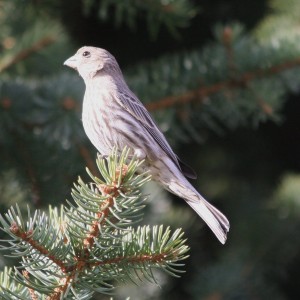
(133, 105)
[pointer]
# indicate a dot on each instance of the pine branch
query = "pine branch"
(226, 73)
(243, 80)
(228, 45)
(174, 14)
(26, 237)
(33, 295)
(25, 53)
(84, 247)
(86, 155)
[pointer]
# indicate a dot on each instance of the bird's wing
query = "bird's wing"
(133, 105)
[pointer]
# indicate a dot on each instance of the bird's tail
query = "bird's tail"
(216, 221)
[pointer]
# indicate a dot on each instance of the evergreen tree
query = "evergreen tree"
(76, 251)
(233, 89)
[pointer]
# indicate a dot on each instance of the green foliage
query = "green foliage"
(234, 74)
(282, 23)
(75, 251)
(11, 190)
(233, 82)
(33, 52)
(286, 196)
(238, 82)
(173, 14)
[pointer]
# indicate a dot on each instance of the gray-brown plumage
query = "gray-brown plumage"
(114, 116)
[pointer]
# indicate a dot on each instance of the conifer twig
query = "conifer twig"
(27, 237)
(83, 247)
(32, 293)
(199, 94)
(24, 53)
(156, 258)
(82, 262)
(227, 41)
(86, 155)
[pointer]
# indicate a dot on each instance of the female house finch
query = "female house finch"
(113, 116)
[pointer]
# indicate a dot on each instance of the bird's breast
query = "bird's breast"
(98, 117)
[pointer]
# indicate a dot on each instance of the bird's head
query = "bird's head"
(89, 61)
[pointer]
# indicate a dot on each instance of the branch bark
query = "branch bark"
(199, 94)
(23, 54)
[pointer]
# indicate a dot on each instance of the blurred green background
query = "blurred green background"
(232, 69)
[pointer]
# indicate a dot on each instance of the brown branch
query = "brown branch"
(33, 295)
(86, 155)
(199, 94)
(23, 54)
(155, 258)
(65, 281)
(111, 191)
(59, 291)
(27, 237)
(88, 242)
(82, 262)
(227, 41)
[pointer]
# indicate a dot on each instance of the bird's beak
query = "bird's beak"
(71, 62)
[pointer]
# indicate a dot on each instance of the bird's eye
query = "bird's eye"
(86, 54)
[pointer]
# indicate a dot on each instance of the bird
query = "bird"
(113, 116)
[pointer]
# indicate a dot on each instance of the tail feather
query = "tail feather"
(221, 218)
(216, 221)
